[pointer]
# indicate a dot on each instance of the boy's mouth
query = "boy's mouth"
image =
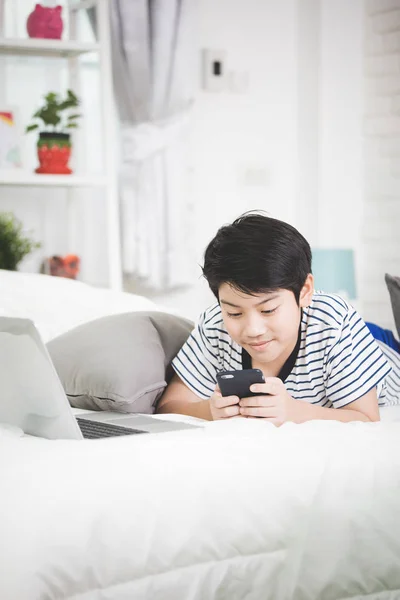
(259, 346)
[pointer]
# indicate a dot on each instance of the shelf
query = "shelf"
(44, 48)
(32, 179)
(101, 175)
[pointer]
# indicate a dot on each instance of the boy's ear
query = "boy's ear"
(307, 291)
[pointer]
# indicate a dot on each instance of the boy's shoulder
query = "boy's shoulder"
(210, 326)
(211, 318)
(327, 311)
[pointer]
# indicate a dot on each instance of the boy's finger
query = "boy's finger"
(273, 387)
(267, 401)
(222, 401)
(260, 411)
(229, 411)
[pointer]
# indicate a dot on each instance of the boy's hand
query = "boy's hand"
(278, 407)
(223, 407)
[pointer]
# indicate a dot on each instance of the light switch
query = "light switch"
(214, 70)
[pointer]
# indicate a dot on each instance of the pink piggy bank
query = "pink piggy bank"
(45, 22)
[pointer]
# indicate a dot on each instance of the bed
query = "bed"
(57, 304)
(231, 510)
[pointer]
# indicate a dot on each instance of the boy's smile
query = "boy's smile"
(259, 346)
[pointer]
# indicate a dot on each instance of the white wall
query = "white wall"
(308, 122)
(340, 119)
(300, 122)
(245, 145)
(381, 223)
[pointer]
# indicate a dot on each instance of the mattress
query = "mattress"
(237, 509)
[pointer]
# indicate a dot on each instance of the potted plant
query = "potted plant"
(14, 245)
(54, 143)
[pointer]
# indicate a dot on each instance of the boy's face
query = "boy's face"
(265, 324)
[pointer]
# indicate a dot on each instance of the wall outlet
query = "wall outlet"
(214, 70)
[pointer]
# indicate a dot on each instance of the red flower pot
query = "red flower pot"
(54, 151)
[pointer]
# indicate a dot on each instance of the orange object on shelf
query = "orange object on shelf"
(63, 266)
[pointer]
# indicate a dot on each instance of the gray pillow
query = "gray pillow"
(393, 285)
(120, 362)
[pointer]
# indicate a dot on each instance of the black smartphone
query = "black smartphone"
(237, 383)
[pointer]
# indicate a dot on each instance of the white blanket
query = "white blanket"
(56, 304)
(236, 510)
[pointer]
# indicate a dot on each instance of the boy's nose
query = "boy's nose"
(254, 328)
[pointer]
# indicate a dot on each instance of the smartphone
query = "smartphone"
(237, 383)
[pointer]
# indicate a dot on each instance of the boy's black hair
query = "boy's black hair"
(257, 254)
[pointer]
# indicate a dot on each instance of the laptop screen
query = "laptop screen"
(31, 395)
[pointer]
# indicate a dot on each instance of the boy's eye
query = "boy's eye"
(264, 312)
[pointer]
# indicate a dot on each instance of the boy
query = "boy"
(319, 359)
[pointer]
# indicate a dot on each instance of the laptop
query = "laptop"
(32, 396)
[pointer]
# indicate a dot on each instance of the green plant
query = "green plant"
(54, 114)
(14, 246)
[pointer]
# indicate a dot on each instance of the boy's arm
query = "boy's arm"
(363, 409)
(178, 398)
(355, 369)
(278, 406)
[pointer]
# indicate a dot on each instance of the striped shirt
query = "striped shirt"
(393, 379)
(338, 359)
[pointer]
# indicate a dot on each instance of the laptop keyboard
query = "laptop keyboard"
(95, 429)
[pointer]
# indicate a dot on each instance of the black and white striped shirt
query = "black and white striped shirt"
(338, 359)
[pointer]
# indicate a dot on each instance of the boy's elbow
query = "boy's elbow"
(171, 407)
(175, 397)
(179, 399)
(375, 418)
(166, 404)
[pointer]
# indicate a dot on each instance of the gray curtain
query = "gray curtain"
(154, 70)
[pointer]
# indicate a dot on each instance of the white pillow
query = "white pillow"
(57, 304)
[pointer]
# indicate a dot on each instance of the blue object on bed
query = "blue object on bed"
(384, 335)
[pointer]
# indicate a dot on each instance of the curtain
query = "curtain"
(154, 69)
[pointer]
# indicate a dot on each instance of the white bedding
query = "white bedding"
(390, 413)
(236, 510)
(57, 304)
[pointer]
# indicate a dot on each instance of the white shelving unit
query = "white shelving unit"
(71, 50)
(25, 178)
(45, 48)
